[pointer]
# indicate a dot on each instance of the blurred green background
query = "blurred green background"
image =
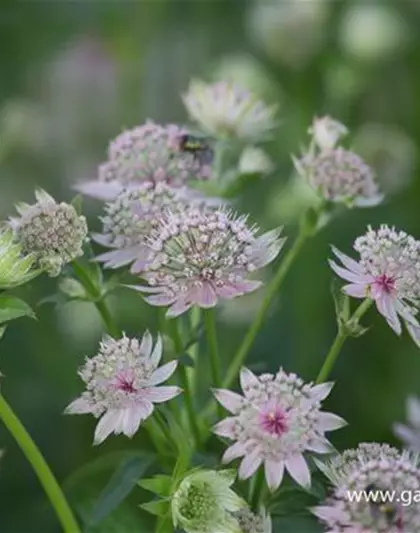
(74, 74)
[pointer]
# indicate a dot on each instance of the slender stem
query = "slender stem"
(185, 384)
(40, 467)
(272, 290)
(341, 337)
(210, 325)
(192, 372)
(98, 300)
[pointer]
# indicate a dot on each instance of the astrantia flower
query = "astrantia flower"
(15, 268)
(226, 110)
(253, 523)
(337, 174)
(205, 503)
(352, 509)
(201, 255)
(339, 468)
(121, 385)
(53, 233)
(130, 218)
(410, 433)
(388, 272)
(150, 152)
(274, 423)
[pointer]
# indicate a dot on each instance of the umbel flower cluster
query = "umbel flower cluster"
(186, 251)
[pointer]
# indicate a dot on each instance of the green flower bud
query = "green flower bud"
(204, 503)
(15, 269)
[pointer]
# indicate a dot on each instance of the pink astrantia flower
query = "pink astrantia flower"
(367, 471)
(133, 214)
(336, 174)
(122, 385)
(276, 420)
(150, 152)
(388, 272)
(202, 255)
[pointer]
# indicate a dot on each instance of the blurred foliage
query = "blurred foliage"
(74, 74)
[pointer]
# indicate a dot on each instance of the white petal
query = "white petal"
(320, 392)
(409, 437)
(106, 425)
(248, 379)
(356, 290)
(161, 394)
(274, 472)
(146, 344)
(162, 373)
(299, 470)
(99, 189)
(131, 421)
(250, 464)
(413, 411)
(348, 275)
(231, 401)
(180, 306)
(233, 452)
(414, 332)
(225, 428)
(156, 354)
(80, 406)
(386, 306)
(348, 262)
(320, 446)
(330, 421)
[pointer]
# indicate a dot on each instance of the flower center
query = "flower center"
(125, 384)
(385, 283)
(273, 421)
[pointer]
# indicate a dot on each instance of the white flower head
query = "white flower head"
(340, 467)
(388, 272)
(336, 174)
(150, 152)
(371, 511)
(225, 110)
(133, 214)
(205, 503)
(274, 423)
(122, 385)
(250, 522)
(53, 233)
(410, 433)
(202, 255)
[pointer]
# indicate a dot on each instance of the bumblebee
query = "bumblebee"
(198, 147)
(384, 510)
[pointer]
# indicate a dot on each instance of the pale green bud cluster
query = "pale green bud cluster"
(53, 232)
(15, 268)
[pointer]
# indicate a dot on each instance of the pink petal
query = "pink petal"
(407, 435)
(132, 418)
(233, 452)
(250, 464)
(225, 428)
(231, 401)
(357, 290)
(204, 295)
(348, 262)
(248, 379)
(80, 406)
(106, 425)
(330, 422)
(348, 275)
(274, 472)
(160, 394)
(320, 446)
(160, 300)
(386, 306)
(162, 373)
(299, 470)
(179, 307)
(320, 392)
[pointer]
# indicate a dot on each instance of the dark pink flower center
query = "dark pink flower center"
(273, 421)
(385, 283)
(125, 384)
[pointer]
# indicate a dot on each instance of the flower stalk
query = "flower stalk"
(40, 467)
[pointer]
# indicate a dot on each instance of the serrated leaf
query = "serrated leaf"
(12, 308)
(120, 485)
(341, 303)
(159, 484)
(157, 507)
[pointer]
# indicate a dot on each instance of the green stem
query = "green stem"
(341, 337)
(185, 384)
(272, 290)
(40, 467)
(210, 325)
(97, 299)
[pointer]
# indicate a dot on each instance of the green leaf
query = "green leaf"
(297, 525)
(73, 289)
(126, 519)
(159, 484)
(156, 507)
(77, 203)
(120, 485)
(2, 330)
(11, 308)
(341, 303)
